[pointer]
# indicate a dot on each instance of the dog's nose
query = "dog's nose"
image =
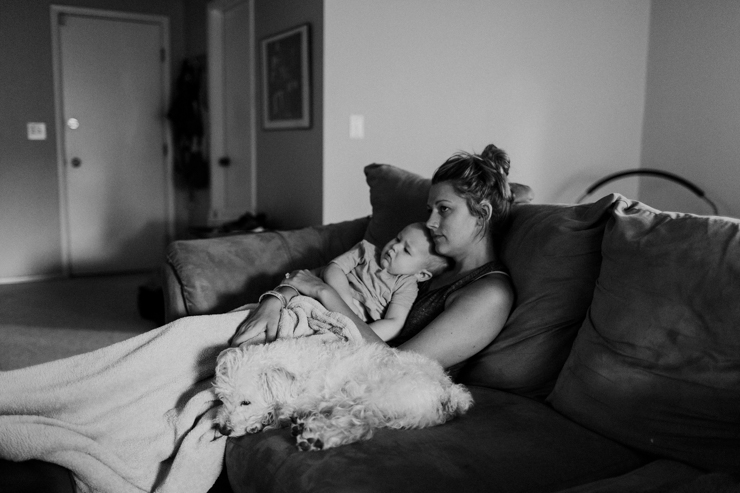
(224, 430)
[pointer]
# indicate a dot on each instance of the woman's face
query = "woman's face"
(452, 225)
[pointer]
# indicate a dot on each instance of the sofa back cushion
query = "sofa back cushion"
(656, 364)
(553, 254)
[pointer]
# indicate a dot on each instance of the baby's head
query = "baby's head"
(412, 252)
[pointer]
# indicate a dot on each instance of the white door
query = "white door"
(231, 96)
(112, 78)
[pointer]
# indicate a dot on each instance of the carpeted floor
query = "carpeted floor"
(47, 320)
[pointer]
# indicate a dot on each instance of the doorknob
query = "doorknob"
(224, 161)
(76, 162)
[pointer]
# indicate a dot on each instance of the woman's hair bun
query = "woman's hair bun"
(497, 157)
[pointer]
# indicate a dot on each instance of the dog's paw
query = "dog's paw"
(309, 444)
(305, 441)
(296, 426)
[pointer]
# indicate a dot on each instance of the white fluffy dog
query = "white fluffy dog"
(334, 393)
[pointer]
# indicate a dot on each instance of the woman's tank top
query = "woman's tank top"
(430, 303)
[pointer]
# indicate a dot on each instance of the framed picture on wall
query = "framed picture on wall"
(286, 91)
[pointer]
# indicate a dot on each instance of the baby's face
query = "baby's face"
(407, 253)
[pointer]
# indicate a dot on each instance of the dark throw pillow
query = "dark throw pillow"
(398, 198)
(553, 254)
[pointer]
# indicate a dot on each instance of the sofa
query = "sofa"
(617, 370)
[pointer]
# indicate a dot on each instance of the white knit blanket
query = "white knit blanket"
(136, 416)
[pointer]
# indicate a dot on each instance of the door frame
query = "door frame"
(217, 104)
(164, 23)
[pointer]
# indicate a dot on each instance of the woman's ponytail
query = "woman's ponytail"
(498, 158)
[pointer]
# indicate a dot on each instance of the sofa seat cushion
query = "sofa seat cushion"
(663, 476)
(506, 443)
(656, 364)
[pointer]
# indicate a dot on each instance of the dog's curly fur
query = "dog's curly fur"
(334, 393)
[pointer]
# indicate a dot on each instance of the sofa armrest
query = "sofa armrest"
(216, 275)
(174, 303)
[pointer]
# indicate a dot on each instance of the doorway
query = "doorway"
(231, 96)
(112, 83)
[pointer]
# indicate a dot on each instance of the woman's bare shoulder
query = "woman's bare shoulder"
(494, 288)
(473, 317)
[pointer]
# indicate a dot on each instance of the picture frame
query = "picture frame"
(286, 89)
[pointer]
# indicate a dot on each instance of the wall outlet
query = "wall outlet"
(36, 131)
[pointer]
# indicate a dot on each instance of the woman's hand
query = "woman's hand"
(306, 282)
(261, 323)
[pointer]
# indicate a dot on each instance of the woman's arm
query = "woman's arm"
(471, 320)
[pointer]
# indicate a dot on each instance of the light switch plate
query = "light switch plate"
(36, 131)
(356, 127)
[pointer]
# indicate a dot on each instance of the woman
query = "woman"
(462, 310)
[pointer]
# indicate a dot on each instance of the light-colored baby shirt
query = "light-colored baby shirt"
(374, 288)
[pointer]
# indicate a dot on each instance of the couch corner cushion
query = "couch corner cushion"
(218, 274)
(656, 364)
(553, 253)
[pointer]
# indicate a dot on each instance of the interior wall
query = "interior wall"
(195, 20)
(692, 112)
(559, 84)
(30, 244)
(289, 162)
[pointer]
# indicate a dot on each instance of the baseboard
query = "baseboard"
(20, 279)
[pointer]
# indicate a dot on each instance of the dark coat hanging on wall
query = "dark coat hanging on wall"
(188, 114)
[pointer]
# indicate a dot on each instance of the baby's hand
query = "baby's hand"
(306, 282)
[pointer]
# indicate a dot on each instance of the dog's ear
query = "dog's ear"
(277, 383)
(225, 356)
(229, 359)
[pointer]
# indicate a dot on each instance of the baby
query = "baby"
(380, 289)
